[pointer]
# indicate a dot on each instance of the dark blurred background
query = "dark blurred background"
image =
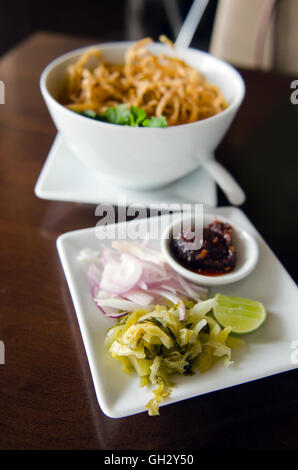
(247, 33)
(98, 19)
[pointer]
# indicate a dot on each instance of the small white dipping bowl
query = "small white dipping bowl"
(142, 158)
(245, 245)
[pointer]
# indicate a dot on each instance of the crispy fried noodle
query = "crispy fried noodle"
(162, 85)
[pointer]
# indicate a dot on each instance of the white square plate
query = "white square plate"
(268, 350)
(65, 178)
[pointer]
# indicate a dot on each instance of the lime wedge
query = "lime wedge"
(242, 315)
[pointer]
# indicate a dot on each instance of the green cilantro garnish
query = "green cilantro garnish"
(155, 122)
(116, 115)
(133, 116)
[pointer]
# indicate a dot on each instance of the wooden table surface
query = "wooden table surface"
(47, 395)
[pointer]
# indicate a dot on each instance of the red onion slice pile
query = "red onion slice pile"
(131, 276)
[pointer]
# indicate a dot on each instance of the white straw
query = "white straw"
(191, 22)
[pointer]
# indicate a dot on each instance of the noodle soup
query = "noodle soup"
(136, 156)
(161, 85)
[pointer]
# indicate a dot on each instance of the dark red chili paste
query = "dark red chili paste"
(216, 256)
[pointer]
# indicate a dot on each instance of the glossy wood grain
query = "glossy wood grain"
(47, 395)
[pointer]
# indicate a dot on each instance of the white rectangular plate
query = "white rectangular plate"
(267, 351)
(65, 178)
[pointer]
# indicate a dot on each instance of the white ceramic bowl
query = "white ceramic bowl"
(245, 245)
(143, 158)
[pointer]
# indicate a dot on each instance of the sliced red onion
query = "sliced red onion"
(95, 290)
(187, 285)
(108, 254)
(187, 288)
(94, 274)
(141, 251)
(111, 313)
(134, 276)
(169, 288)
(139, 297)
(143, 285)
(119, 303)
(122, 276)
(167, 295)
